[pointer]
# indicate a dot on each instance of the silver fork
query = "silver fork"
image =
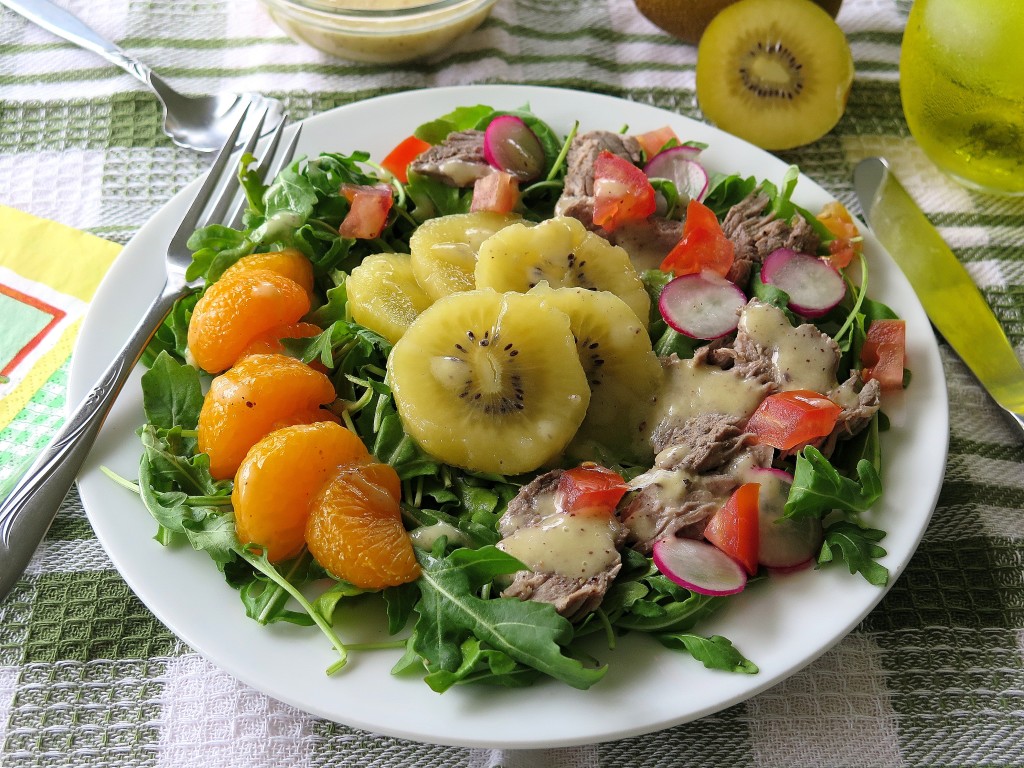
(26, 514)
(193, 122)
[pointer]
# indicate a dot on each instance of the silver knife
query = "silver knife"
(950, 297)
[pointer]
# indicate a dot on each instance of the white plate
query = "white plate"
(782, 625)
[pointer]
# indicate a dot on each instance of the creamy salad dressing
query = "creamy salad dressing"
(804, 357)
(362, 30)
(574, 546)
(693, 389)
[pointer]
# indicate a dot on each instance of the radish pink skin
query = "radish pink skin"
(661, 555)
(672, 163)
(679, 286)
(498, 131)
(828, 277)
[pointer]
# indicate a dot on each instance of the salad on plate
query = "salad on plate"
(528, 391)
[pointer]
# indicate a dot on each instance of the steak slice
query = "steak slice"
(755, 235)
(678, 502)
(535, 528)
(458, 161)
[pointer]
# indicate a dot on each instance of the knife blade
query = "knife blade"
(949, 296)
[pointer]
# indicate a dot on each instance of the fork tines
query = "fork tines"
(226, 185)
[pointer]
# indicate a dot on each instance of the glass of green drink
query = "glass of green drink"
(962, 85)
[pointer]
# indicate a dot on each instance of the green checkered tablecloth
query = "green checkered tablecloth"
(89, 677)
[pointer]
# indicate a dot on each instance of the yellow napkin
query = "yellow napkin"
(48, 275)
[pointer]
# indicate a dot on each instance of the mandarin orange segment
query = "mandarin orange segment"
(246, 402)
(235, 310)
(280, 476)
(355, 528)
(290, 263)
(270, 343)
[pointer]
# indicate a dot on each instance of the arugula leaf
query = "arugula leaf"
(482, 665)
(818, 488)
(171, 394)
(172, 335)
(449, 611)
(715, 652)
(400, 602)
(460, 119)
(858, 548)
(433, 198)
(327, 602)
(724, 191)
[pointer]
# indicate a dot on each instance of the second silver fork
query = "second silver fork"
(26, 514)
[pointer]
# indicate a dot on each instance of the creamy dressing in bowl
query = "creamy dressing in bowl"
(384, 31)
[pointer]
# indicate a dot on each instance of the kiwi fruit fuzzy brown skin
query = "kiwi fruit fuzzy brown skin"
(687, 19)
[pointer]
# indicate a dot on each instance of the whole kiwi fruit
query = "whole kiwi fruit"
(687, 19)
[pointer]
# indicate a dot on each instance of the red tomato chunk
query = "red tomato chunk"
(789, 419)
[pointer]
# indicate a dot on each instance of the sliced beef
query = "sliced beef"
(531, 504)
(755, 234)
(572, 596)
(677, 502)
(458, 161)
(750, 359)
(647, 242)
(585, 147)
(860, 402)
(701, 443)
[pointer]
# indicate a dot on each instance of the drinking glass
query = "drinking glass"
(962, 85)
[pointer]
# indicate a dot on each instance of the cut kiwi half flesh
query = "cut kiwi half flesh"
(776, 73)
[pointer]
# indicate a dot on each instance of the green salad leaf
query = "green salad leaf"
(450, 612)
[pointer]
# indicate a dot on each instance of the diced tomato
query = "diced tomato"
(622, 192)
(497, 192)
(368, 212)
(734, 528)
(703, 246)
(789, 419)
(397, 161)
(884, 353)
(654, 141)
(590, 489)
(848, 242)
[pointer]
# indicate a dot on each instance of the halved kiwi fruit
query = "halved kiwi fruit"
(774, 72)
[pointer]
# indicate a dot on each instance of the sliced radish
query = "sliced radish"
(814, 287)
(702, 306)
(510, 146)
(785, 544)
(698, 566)
(679, 165)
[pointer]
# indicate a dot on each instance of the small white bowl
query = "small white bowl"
(382, 31)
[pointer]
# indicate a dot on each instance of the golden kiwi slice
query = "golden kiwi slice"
(774, 72)
(384, 296)
(490, 381)
(621, 368)
(561, 252)
(444, 249)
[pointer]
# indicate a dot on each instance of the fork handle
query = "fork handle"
(64, 24)
(26, 514)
